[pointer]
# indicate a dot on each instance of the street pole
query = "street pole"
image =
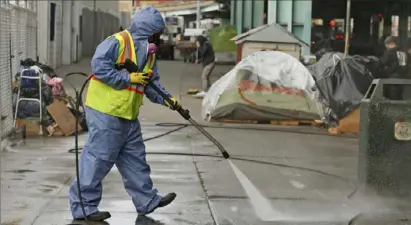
(198, 22)
(198, 14)
(347, 28)
(95, 24)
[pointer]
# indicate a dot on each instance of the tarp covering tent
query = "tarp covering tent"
(342, 82)
(266, 85)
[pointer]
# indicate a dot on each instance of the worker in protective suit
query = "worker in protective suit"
(112, 108)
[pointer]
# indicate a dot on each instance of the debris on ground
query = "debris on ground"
(342, 83)
(56, 109)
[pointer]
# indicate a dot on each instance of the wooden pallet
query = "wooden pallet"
(316, 123)
(348, 125)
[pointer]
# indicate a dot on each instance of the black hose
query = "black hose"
(180, 126)
(76, 147)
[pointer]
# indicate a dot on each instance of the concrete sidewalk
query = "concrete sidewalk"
(306, 177)
(37, 175)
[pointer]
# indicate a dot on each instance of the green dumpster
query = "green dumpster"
(384, 160)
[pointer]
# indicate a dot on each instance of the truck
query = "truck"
(174, 29)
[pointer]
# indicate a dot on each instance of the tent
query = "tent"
(342, 82)
(264, 86)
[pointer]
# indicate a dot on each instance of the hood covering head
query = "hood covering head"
(201, 39)
(145, 23)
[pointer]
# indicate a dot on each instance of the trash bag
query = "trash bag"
(266, 85)
(46, 70)
(47, 95)
(342, 82)
(325, 64)
(30, 87)
(27, 109)
(28, 83)
(31, 109)
(57, 86)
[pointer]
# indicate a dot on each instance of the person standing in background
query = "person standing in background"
(207, 57)
(394, 64)
(394, 61)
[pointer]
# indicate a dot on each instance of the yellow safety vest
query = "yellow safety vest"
(123, 103)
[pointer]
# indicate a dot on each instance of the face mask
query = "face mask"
(152, 48)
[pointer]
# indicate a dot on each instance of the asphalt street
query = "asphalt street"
(309, 177)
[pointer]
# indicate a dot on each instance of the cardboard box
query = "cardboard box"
(63, 117)
(54, 130)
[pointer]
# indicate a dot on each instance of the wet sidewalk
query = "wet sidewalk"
(36, 178)
(306, 176)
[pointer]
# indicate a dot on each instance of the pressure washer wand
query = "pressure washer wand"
(130, 66)
(186, 115)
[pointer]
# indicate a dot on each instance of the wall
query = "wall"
(67, 30)
(77, 29)
(97, 26)
(250, 47)
(50, 51)
(25, 33)
(111, 6)
(125, 19)
(125, 12)
(17, 42)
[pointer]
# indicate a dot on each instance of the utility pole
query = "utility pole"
(198, 22)
(94, 24)
(347, 28)
(198, 14)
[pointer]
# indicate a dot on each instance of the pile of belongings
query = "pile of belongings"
(342, 83)
(264, 86)
(51, 89)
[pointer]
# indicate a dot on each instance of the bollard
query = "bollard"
(384, 160)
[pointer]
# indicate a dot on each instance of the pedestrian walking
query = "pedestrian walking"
(206, 56)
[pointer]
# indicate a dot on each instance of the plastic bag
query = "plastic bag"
(342, 82)
(266, 85)
(57, 86)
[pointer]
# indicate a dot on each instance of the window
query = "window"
(52, 20)
(80, 28)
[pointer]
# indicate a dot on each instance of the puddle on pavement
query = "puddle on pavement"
(50, 186)
(21, 171)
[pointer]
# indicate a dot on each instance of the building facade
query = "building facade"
(72, 29)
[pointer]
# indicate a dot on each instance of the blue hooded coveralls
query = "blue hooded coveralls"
(114, 140)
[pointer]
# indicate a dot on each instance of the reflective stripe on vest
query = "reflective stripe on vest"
(123, 103)
(148, 68)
